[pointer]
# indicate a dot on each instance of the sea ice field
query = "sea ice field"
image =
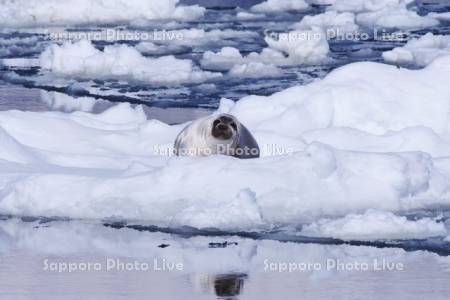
(349, 102)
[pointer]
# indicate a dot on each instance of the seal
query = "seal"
(216, 134)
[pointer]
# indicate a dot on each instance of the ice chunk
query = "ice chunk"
(420, 51)
(119, 61)
(279, 5)
(375, 225)
(292, 48)
(254, 70)
(20, 13)
(395, 18)
(330, 22)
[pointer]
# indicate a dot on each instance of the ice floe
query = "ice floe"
(337, 23)
(117, 164)
(420, 51)
(395, 18)
(363, 5)
(279, 5)
(254, 70)
(21, 13)
(292, 48)
(82, 59)
(376, 225)
(389, 14)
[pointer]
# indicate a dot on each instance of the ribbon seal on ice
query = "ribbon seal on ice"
(216, 134)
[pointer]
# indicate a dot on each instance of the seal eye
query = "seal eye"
(234, 126)
(216, 122)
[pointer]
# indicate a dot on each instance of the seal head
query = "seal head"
(217, 134)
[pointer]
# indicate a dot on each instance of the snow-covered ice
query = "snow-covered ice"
(19, 13)
(254, 70)
(279, 5)
(330, 21)
(293, 48)
(355, 156)
(118, 164)
(375, 225)
(119, 61)
(363, 5)
(421, 51)
(395, 18)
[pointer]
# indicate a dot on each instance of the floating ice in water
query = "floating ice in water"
(82, 59)
(116, 164)
(395, 18)
(440, 16)
(254, 70)
(20, 62)
(376, 225)
(293, 48)
(338, 23)
(362, 5)
(279, 5)
(420, 51)
(243, 15)
(19, 13)
(390, 14)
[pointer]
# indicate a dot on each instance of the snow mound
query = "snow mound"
(331, 22)
(11, 150)
(21, 13)
(293, 48)
(421, 51)
(376, 225)
(279, 5)
(371, 97)
(119, 61)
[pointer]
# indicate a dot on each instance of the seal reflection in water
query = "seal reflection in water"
(217, 134)
(224, 286)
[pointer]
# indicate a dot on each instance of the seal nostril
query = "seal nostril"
(221, 126)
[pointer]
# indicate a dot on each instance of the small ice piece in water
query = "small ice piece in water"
(375, 225)
(279, 5)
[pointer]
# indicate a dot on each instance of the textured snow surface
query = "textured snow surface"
(369, 135)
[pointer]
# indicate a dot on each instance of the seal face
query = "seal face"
(219, 134)
(223, 128)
